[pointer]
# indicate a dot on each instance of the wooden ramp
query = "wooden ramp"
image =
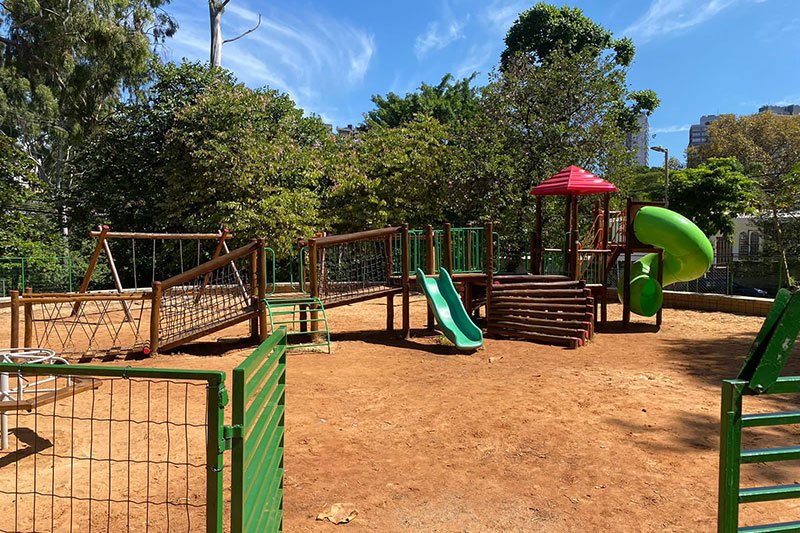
(553, 310)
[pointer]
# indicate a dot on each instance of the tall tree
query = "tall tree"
(215, 10)
(545, 28)
(768, 146)
(448, 102)
(64, 64)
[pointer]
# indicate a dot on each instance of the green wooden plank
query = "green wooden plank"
(263, 373)
(237, 453)
(256, 500)
(265, 347)
(756, 352)
(272, 502)
(777, 347)
(265, 433)
(264, 392)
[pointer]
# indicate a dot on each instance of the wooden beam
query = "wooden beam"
(87, 277)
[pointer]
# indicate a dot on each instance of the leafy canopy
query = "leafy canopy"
(545, 28)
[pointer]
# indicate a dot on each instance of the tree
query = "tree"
(26, 227)
(215, 10)
(768, 146)
(545, 28)
(713, 194)
(448, 102)
(207, 152)
(63, 67)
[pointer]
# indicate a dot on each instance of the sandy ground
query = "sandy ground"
(619, 435)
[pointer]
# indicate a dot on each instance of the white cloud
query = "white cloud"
(476, 59)
(302, 53)
(671, 129)
(436, 37)
(665, 17)
(501, 14)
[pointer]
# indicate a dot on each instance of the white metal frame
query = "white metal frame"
(22, 356)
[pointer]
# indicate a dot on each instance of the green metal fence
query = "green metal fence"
(43, 274)
(469, 250)
(108, 447)
(759, 377)
(259, 385)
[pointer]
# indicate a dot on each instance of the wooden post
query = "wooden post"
(389, 274)
(536, 252)
(236, 272)
(261, 276)
(576, 256)
(101, 238)
(448, 248)
(314, 288)
(117, 281)
(28, 331)
(155, 317)
(406, 283)
(15, 319)
(431, 270)
(488, 233)
(606, 265)
(254, 330)
(626, 279)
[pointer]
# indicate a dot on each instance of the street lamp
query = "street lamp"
(664, 151)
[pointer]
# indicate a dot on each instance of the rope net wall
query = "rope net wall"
(102, 324)
(209, 300)
(124, 454)
(353, 270)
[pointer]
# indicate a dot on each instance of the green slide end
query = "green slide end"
(687, 256)
(450, 314)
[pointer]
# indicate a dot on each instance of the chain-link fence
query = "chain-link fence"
(759, 276)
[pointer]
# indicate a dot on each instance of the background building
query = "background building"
(698, 133)
(792, 109)
(638, 142)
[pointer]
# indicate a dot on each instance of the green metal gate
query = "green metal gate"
(259, 385)
(759, 376)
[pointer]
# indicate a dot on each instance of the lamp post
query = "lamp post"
(665, 151)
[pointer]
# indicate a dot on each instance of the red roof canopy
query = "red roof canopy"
(573, 181)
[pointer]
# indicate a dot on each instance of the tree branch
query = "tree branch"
(251, 30)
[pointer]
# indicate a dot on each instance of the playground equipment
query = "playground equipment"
(677, 250)
(40, 389)
(450, 313)
(211, 296)
(759, 377)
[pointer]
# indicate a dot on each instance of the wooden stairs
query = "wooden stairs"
(544, 309)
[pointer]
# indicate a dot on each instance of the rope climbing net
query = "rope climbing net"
(207, 298)
(353, 270)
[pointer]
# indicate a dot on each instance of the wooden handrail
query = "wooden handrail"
(37, 299)
(155, 236)
(209, 266)
(352, 237)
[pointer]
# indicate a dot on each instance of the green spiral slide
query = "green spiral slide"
(446, 305)
(687, 256)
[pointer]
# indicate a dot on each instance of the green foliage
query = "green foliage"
(394, 175)
(545, 28)
(64, 65)
(449, 102)
(200, 152)
(712, 195)
(25, 229)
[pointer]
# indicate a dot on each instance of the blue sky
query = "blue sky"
(700, 56)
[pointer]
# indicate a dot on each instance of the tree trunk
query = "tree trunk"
(215, 13)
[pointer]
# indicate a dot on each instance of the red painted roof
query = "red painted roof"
(573, 180)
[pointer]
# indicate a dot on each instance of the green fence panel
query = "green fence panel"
(135, 419)
(257, 438)
(759, 376)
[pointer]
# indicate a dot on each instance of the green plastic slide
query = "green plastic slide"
(446, 305)
(687, 256)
